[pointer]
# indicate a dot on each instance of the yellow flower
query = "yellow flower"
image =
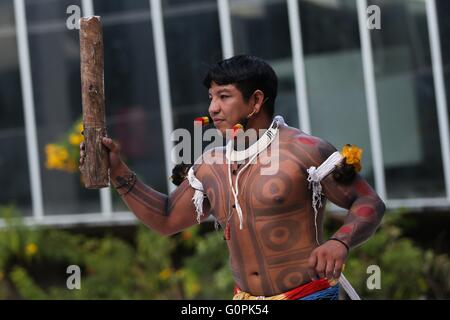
(352, 155)
(165, 274)
(57, 151)
(50, 148)
(63, 154)
(79, 127)
(57, 156)
(53, 162)
(31, 249)
(75, 139)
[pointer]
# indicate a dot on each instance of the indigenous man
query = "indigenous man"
(273, 223)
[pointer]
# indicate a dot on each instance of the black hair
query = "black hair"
(179, 173)
(248, 74)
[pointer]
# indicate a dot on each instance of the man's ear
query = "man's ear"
(258, 100)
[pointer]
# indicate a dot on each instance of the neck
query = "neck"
(258, 124)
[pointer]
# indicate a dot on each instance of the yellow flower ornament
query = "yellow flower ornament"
(352, 156)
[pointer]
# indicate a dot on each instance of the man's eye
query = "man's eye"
(224, 96)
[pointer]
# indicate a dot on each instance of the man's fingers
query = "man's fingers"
(312, 266)
(81, 161)
(329, 271)
(110, 144)
(338, 269)
(82, 153)
(320, 267)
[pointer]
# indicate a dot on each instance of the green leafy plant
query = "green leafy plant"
(33, 263)
(190, 265)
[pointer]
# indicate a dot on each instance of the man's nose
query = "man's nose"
(214, 107)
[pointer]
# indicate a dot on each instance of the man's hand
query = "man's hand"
(327, 260)
(115, 159)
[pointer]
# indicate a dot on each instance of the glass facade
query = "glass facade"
(261, 28)
(131, 89)
(334, 76)
(406, 99)
(411, 144)
(192, 36)
(55, 73)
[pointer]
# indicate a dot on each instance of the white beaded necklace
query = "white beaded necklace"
(250, 153)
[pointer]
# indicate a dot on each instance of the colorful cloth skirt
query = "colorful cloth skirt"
(322, 289)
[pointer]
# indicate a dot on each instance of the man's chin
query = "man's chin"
(220, 127)
(221, 131)
(224, 132)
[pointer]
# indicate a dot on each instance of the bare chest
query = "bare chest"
(261, 190)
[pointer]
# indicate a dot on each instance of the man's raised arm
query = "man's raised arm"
(164, 214)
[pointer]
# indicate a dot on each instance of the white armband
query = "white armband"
(199, 194)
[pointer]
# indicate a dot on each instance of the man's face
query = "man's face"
(227, 106)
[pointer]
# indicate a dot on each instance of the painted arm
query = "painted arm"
(365, 208)
(165, 214)
(365, 211)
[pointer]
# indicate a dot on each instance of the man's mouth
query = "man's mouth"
(217, 120)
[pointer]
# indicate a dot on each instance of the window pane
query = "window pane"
(132, 100)
(55, 66)
(193, 42)
(407, 106)
(334, 76)
(14, 173)
(106, 8)
(261, 28)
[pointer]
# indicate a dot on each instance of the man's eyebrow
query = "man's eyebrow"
(221, 91)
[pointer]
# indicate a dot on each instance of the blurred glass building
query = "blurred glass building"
(385, 90)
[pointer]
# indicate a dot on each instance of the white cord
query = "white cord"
(235, 190)
(315, 175)
(348, 288)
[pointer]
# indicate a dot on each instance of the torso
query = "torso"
(270, 254)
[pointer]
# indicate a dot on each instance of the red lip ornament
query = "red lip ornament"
(236, 129)
(202, 120)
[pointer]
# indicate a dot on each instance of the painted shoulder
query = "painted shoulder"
(311, 150)
(301, 138)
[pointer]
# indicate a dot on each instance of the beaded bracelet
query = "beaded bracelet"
(131, 187)
(129, 183)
